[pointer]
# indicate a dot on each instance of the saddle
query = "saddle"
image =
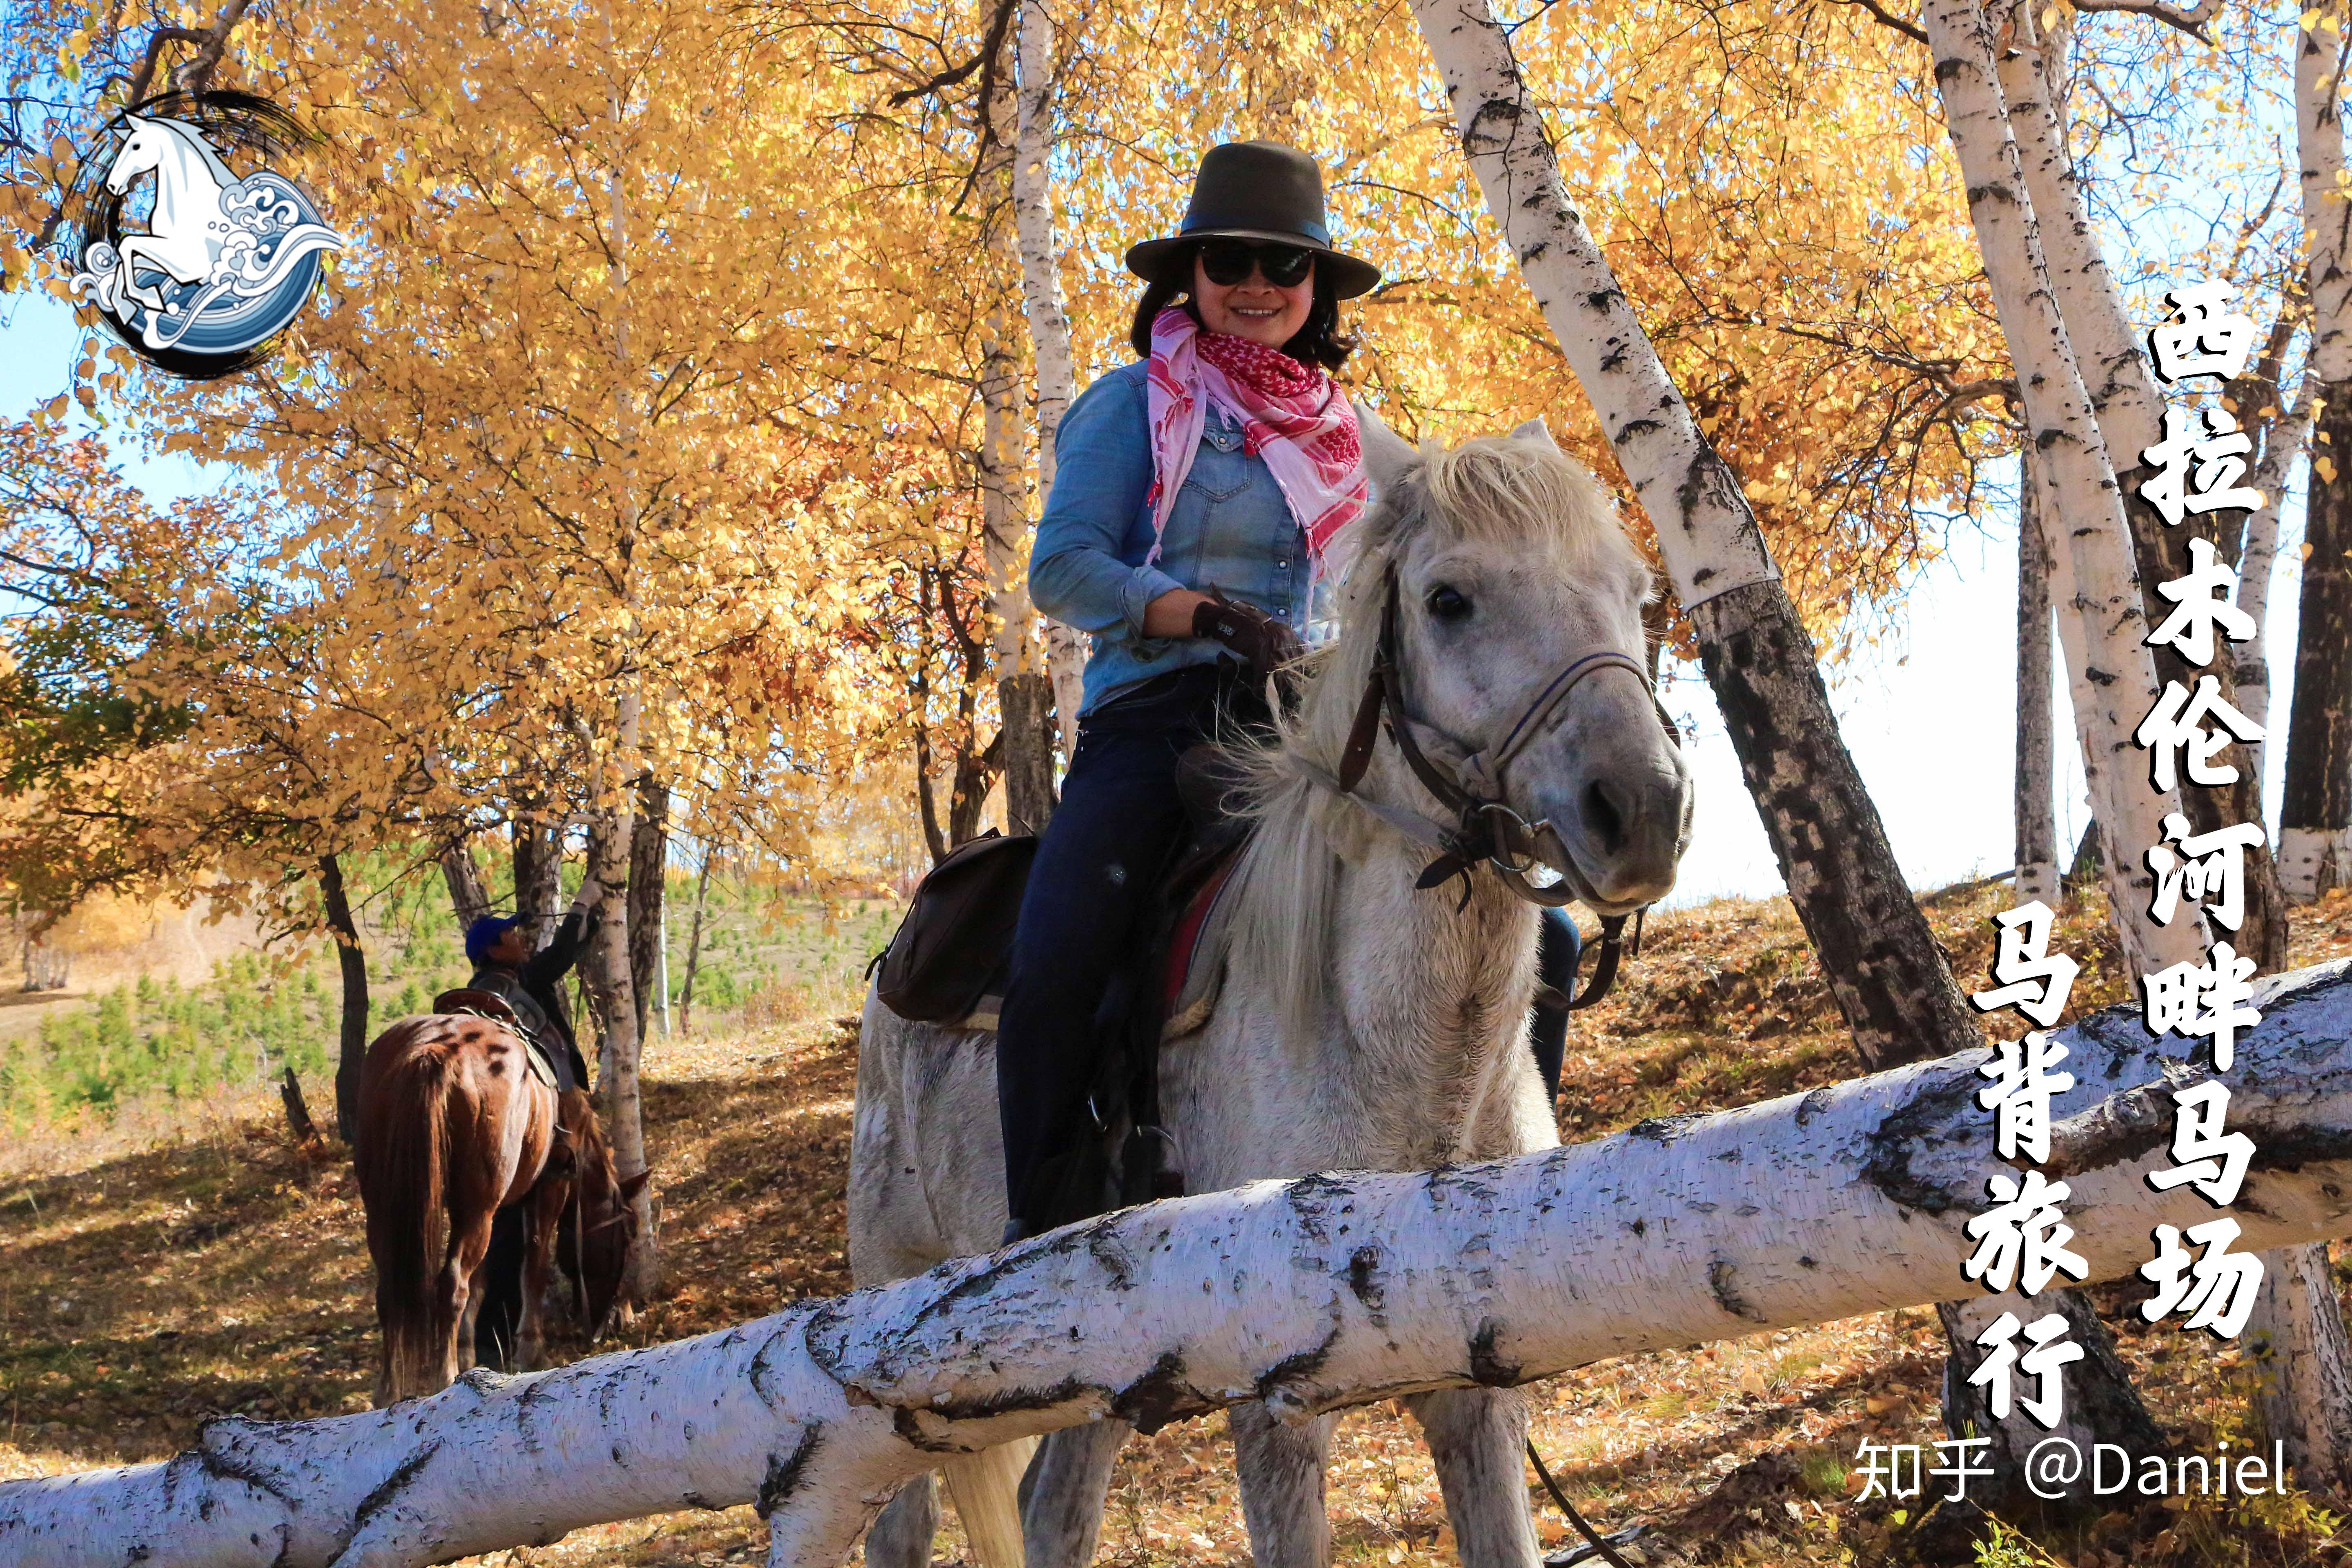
(947, 960)
(470, 1000)
(959, 925)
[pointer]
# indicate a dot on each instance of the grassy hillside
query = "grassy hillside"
(146, 1281)
(147, 1054)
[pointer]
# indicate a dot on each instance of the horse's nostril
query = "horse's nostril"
(1604, 810)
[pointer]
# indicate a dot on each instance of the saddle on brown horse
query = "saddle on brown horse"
(472, 1000)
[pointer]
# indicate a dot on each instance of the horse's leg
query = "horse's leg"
(543, 1212)
(469, 1314)
(387, 1319)
(131, 253)
(459, 1286)
(1282, 1487)
(900, 1536)
(1478, 1437)
(1061, 1523)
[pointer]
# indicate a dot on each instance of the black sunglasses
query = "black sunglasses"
(1228, 262)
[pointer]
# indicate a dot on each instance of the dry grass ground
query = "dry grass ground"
(174, 1269)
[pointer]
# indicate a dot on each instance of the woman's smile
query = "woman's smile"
(1254, 307)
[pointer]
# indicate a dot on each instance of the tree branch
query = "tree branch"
(2190, 21)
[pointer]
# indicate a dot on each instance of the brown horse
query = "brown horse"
(453, 1126)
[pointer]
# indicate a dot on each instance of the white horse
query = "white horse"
(189, 224)
(1362, 1025)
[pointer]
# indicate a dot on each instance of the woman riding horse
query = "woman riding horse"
(1196, 490)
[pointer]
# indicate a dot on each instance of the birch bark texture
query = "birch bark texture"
(2129, 409)
(2297, 1337)
(1889, 978)
(2126, 407)
(2035, 781)
(2258, 561)
(1035, 54)
(2092, 531)
(2081, 693)
(1024, 694)
(2315, 800)
(2101, 1407)
(605, 967)
(1310, 1294)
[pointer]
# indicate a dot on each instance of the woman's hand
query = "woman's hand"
(1265, 644)
(1170, 615)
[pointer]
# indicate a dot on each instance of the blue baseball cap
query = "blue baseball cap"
(484, 934)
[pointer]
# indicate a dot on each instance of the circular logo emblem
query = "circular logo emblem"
(224, 263)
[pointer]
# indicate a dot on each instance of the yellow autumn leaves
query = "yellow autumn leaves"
(639, 431)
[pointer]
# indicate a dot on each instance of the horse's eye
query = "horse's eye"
(1447, 602)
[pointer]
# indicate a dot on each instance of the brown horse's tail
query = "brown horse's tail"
(401, 1160)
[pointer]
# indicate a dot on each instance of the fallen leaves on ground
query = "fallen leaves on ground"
(225, 1271)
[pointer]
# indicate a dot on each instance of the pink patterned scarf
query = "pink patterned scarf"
(1293, 415)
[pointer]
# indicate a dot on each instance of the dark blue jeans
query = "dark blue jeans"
(1090, 892)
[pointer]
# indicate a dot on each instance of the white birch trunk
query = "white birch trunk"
(2305, 1329)
(606, 965)
(1003, 517)
(2124, 399)
(2082, 696)
(1021, 689)
(2258, 562)
(2125, 402)
(2297, 1331)
(2326, 214)
(1049, 319)
(611, 985)
(2297, 1337)
(2035, 835)
(2090, 529)
(1066, 665)
(1311, 1295)
(1706, 532)
(1884, 966)
(2312, 852)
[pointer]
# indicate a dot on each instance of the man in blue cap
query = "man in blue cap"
(504, 963)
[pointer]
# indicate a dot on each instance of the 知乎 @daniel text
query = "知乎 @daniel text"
(2054, 1468)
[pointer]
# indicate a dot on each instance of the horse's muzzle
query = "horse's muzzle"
(1618, 841)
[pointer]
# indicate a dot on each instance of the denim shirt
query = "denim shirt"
(1230, 529)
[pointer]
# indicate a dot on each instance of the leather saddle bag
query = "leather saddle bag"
(954, 943)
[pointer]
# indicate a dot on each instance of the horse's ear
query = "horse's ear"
(632, 1186)
(1387, 455)
(1538, 429)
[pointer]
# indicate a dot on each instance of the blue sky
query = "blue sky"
(1927, 714)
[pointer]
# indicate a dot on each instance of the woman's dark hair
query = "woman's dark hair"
(1318, 342)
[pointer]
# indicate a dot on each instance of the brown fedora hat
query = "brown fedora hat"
(1262, 191)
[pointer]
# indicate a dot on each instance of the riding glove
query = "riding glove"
(1265, 644)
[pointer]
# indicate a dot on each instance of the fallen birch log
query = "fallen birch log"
(1314, 1294)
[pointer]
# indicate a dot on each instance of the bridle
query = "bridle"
(1485, 827)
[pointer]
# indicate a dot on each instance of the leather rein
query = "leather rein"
(1485, 827)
